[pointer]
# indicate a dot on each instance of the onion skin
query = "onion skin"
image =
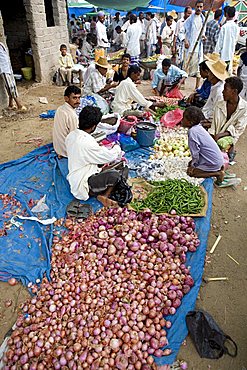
(12, 281)
(113, 277)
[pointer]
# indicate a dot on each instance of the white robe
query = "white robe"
(127, 93)
(227, 40)
(84, 156)
(133, 35)
(101, 35)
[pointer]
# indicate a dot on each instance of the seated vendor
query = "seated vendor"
(66, 119)
(216, 75)
(122, 72)
(128, 93)
(96, 81)
(74, 49)
(119, 41)
(200, 96)
(87, 48)
(85, 156)
(66, 65)
(230, 114)
(167, 77)
(207, 159)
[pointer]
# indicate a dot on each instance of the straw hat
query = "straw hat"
(102, 62)
(218, 69)
(173, 14)
(212, 57)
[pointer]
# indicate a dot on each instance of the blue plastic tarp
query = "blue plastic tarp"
(78, 11)
(158, 6)
(25, 252)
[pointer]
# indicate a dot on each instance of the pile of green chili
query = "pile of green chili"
(172, 195)
(161, 111)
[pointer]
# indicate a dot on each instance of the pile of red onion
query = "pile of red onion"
(113, 279)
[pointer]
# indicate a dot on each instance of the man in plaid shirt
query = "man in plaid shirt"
(212, 33)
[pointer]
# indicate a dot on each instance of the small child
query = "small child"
(66, 65)
(207, 159)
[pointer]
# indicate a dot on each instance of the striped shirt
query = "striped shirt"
(94, 83)
(212, 34)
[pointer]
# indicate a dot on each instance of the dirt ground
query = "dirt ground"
(225, 300)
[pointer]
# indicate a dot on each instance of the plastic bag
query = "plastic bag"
(207, 336)
(226, 160)
(40, 206)
(85, 101)
(107, 128)
(225, 143)
(101, 103)
(127, 143)
(174, 93)
(172, 118)
(127, 124)
(122, 193)
(49, 114)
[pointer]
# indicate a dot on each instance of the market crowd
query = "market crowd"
(106, 57)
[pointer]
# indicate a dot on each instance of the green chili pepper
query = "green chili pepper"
(180, 195)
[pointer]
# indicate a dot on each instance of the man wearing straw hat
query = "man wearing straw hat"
(216, 75)
(96, 81)
(174, 16)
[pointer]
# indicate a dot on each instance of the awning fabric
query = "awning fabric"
(158, 6)
(120, 5)
(78, 11)
(81, 4)
(207, 3)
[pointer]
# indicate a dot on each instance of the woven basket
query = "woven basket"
(148, 65)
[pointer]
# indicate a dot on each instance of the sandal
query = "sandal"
(229, 175)
(84, 211)
(72, 208)
(228, 182)
(78, 210)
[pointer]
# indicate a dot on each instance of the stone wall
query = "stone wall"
(45, 41)
(16, 31)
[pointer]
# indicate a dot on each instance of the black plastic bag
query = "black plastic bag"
(207, 336)
(122, 193)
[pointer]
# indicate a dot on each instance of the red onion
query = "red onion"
(112, 279)
(12, 281)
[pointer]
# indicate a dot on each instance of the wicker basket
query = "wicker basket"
(149, 65)
(114, 61)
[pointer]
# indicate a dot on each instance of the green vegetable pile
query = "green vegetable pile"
(161, 111)
(172, 195)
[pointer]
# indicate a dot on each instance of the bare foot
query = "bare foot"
(220, 177)
(23, 109)
(107, 202)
